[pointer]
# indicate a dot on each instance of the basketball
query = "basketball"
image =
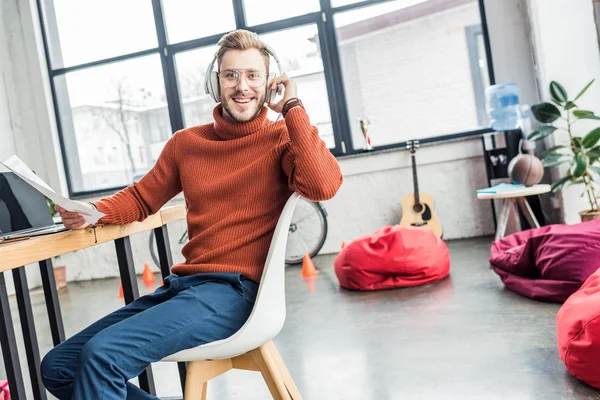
(526, 169)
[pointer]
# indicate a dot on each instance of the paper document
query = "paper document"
(17, 166)
(502, 188)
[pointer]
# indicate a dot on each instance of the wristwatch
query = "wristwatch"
(291, 103)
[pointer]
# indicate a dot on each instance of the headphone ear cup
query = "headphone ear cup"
(270, 94)
(214, 86)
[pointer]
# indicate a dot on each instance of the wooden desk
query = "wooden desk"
(14, 256)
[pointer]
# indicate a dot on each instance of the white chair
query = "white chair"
(251, 347)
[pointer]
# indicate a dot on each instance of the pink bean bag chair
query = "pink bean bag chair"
(578, 332)
(548, 263)
(392, 257)
(4, 391)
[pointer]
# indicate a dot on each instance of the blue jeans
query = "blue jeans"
(186, 312)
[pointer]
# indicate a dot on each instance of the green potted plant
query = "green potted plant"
(582, 154)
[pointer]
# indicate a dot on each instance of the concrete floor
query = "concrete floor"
(463, 338)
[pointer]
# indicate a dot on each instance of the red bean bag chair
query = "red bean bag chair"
(548, 263)
(578, 332)
(392, 257)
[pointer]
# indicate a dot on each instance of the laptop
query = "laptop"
(23, 210)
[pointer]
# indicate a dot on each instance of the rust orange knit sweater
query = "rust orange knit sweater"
(235, 178)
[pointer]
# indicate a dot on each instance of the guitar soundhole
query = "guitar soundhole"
(426, 214)
(418, 208)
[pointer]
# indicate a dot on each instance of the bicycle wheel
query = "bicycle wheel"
(308, 231)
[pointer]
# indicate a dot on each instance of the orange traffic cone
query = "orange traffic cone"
(308, 267)
(344, 244)
(310, 283)
(121, 295)
(148, 277)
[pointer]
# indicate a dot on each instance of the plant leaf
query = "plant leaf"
(555, 163)
(581, 113)
(594, 153)
(556, 159)
(558, 185)
(580, 165)
(594, 168)
(555, 156)
(558, 92)
(554, 149)
(570, 105)
(587, 116)
(583, 90)
(591, 138)
(542, 132)
(545, 112)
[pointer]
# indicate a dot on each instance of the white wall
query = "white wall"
(7, 137)
(28, 104)
(374, 183)
(567, 51)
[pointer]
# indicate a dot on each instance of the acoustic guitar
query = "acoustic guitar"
(417, 207)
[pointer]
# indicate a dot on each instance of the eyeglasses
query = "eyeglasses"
(231, 77)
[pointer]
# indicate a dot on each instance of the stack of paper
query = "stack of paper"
(501, 188)
(17, 166)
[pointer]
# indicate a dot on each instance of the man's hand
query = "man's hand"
(291, 91)
(73, 220)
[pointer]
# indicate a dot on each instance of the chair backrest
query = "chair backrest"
(268, 315)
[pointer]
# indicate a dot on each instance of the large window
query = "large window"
(407, 71)
(191, 70)
(300, 57)
(126, 75)
(113, 120)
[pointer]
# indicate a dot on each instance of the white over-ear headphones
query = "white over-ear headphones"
(211, 79)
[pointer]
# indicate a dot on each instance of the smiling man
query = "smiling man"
(236, 175)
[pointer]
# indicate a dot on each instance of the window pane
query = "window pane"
(114, 121)
(192, 19)
(398, 4)
(408, 70)
(263, 11)
(84, 31)
(339, 3)
(191, 68)
(300, 56)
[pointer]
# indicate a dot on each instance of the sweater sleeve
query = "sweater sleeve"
(141, 199)
(312, 171)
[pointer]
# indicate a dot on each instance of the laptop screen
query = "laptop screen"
(21, 206)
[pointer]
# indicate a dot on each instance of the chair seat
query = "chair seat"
(217, 350)
(233, 346)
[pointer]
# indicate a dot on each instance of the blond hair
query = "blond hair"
(242, 40)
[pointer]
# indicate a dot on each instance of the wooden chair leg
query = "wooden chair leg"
(269, 369)
(198, 375)
(285, 374)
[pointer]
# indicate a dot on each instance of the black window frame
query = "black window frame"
(324, 21)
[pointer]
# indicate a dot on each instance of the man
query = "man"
(236, 175)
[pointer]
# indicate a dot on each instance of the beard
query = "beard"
(245, 109)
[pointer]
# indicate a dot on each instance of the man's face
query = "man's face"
(242, 80)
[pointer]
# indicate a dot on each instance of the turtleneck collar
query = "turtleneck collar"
(228, 130)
